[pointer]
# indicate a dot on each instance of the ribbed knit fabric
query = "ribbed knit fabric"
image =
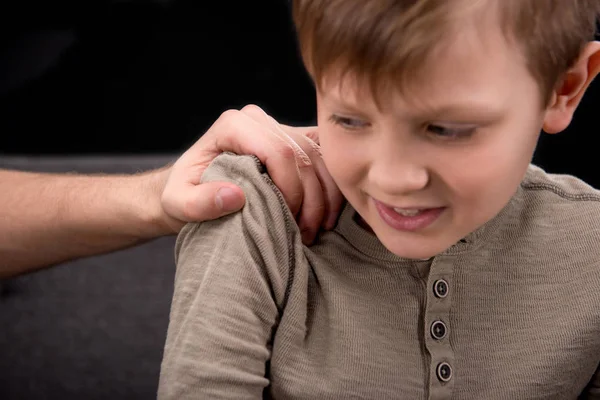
(510, 312)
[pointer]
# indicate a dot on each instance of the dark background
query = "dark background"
(150, 77)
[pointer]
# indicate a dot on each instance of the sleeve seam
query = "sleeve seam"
(539, 186)
(288, 229)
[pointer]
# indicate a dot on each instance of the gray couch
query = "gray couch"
(92, 328)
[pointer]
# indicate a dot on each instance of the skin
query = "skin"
(47, 219)
(461, 137)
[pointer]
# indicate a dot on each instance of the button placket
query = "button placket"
(437, 319)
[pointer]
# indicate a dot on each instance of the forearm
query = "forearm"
(46, 219)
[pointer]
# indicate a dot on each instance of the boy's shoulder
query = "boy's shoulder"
(251, 176)
(559, 206)
(265, 206)
(561, 187)
(230, 167)
(263, 234)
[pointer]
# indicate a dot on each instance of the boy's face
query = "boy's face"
(456, 144)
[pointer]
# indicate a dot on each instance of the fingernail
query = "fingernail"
(228, 200)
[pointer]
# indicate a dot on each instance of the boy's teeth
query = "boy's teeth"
(407, 213)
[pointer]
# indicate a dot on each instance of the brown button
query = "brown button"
(440, 288)
(444, 372)
(438, 330)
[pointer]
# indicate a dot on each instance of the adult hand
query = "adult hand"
(291, 156)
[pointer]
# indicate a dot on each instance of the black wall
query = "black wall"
(150, 77)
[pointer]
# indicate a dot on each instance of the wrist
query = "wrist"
(159, 223)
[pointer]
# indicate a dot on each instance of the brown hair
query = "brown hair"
(379, 40)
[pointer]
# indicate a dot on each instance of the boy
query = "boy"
(457, 270)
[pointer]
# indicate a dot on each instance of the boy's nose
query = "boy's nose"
(397, 174)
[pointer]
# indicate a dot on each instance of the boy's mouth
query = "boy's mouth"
(409, 212)
(408, 219)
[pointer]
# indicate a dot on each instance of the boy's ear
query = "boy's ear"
(568, 94)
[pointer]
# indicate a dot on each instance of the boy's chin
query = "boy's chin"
(418, 248)
(410, 246)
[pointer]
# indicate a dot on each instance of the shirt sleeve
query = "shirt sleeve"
(230, 288)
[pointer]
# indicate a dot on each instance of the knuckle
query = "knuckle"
(303, 159)
(313, 136)
(253, 109)
(316, 210)
(290, 149)
(230, 119)
(286, 150)
(313, 148)
(305, 150)
(229, 115)
(293, 151)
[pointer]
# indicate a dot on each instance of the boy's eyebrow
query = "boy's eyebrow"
(469, 110)
(338, 101)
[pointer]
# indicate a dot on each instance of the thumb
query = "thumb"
(212, 200)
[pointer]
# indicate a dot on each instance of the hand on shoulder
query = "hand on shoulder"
(291, 156)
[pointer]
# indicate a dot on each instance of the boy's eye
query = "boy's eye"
(347, 123)
(451, 132)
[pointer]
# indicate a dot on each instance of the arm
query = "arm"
(229, 287)
(49, 218)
